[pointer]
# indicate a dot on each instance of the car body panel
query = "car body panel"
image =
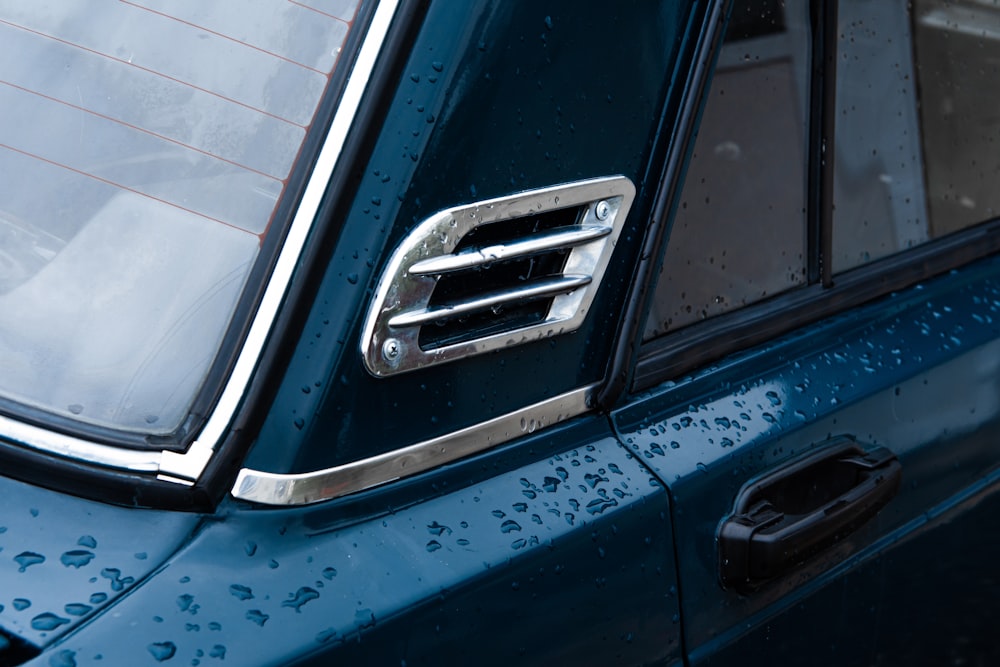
(493, 99)
(65, 560)
(521, 565)
(915, 372)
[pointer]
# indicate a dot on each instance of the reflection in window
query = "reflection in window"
(739, 232)
(916, 131)
(958, 55)
(144, 147)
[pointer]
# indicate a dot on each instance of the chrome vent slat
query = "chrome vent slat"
(493, 274)
(556, 239)
(538, 289)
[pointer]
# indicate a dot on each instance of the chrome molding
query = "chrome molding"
(390, 341)
(268, 488)
(187, 467)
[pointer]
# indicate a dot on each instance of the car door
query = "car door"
(818, 380)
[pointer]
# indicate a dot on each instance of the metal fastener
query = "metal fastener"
(391, 349)
(602, 210)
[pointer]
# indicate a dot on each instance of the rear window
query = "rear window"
(144, 147)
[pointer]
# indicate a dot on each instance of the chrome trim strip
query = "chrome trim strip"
(35, 437)
(553, 240)
(537, 289)
(187, 467)
(267, 488)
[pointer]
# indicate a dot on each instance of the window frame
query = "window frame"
(674, 354)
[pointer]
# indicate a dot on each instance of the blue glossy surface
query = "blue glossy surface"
(64, 560)
(915, 372)
(495, 98)
(563, 560)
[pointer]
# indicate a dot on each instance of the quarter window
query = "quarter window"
(739, 232)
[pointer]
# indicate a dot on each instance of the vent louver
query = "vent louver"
(494, 274)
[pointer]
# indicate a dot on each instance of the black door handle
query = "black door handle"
(782, 518)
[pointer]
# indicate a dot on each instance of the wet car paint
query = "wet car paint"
(915, 372)
(565, 559)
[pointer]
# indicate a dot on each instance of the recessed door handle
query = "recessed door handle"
(781, 519)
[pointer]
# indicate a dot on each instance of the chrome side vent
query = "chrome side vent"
(495, 273)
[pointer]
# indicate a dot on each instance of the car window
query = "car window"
(144, 148)
(915, 131)
(739, 234)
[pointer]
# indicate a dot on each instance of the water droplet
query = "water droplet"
(87, 541)
(118, 582)
(214, 626)
(76, 558)
(433, 546)
(257, 616)
(365, 618)
(77, 609)
(599, 505)
(437, 66)
(352, 278)
(324, 636)
(435, 528)
(63, 659)
(98, 598)
(299, 423)
(241, 592)
(184, 602)
(141, 555)
(75, 408)
(162, 650)
(551, 484)
(47, 621)
(772, 397)
(509, 526)
(217, 651)
(299, 598)
(28, 558)
(21, 603)
(250, 548)
(329, 573)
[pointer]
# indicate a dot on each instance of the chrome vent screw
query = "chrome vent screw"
(602, 210)
(391, 349)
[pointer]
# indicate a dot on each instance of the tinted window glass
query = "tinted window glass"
(916, 129)
(739, 233)
(143, 147)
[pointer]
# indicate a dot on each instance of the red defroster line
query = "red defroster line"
(126, 188)
(140, 129)
(151, 71)
(320, 11)
(224, 36)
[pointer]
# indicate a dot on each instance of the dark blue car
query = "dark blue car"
(429, 332)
